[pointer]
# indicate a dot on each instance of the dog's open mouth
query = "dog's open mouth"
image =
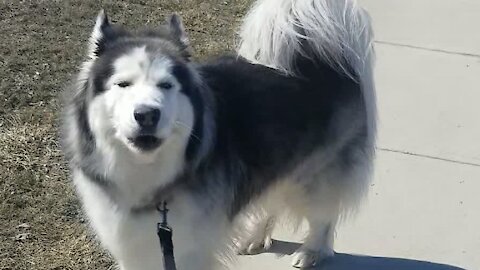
(146, 142)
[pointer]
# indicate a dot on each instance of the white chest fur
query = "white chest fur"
(132, 240)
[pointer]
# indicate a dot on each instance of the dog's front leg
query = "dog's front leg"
(198, 237)
(199, 233)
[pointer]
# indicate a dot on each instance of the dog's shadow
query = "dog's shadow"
(358, 262)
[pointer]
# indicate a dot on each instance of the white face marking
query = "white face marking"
(141, 80)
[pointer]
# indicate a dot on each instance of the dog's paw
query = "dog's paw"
(254, 246)
(307, 258)
(304, 259)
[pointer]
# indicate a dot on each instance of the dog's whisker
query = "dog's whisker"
(183, 125)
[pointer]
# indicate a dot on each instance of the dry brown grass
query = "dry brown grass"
(42, 44)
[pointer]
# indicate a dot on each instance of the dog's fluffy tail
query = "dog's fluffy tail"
(277, 33)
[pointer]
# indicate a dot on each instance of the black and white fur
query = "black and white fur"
(287, 126)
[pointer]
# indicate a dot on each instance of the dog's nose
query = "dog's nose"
(147, 117)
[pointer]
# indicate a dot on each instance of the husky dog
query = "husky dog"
(286, 125)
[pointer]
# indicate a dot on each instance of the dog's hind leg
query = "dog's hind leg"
(330, 196)
(318, 245)
(258, 220)
(258, 235)
(320, 207)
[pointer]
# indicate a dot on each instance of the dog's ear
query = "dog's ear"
(178, 33)
(101, 34)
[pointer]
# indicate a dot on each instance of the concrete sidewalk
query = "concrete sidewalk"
(424, 205)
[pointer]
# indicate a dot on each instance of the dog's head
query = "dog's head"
(138, 86)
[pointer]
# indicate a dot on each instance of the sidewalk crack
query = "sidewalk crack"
(426, 49)
(428, 156)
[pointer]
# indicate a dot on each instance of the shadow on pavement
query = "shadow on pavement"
(359, 262)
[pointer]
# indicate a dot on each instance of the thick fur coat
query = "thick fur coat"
(285, 126)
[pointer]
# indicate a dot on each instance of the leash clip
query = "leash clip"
(165, 233)
(162, 208)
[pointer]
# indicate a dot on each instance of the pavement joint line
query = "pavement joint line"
(428, 156)
(426, 49)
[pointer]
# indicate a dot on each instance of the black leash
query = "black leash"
(164, 233)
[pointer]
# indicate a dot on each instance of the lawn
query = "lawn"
(42, 45)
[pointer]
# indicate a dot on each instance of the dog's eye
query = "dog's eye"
(124, 84)
(165, 85)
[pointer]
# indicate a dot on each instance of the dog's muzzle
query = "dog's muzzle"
(147, 119)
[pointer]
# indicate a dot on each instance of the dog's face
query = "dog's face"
(141, 99)
(137, 87)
